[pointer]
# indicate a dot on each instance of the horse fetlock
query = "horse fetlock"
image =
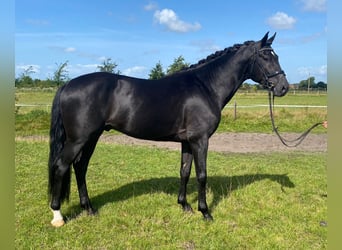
(207, 217)
(91, 211)
(187, 208)
(205, 211)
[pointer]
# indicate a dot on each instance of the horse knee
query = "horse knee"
(202, 178)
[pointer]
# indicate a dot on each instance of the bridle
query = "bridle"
(267, 76)
(270, 86)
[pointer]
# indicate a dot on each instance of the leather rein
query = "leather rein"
(270, 86)
(286, 142)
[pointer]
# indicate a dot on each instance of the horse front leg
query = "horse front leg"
(185, 169)
(200, 150)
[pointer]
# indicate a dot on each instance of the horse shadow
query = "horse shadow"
(220, 187)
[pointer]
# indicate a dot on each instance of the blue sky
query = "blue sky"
(137, 34)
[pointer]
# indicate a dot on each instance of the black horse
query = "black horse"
(184, 107)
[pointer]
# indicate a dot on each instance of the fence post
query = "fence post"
(234, 110)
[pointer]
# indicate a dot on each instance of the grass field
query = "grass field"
(259, 201)
(36, 120)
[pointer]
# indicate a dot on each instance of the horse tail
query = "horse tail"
(57, 140)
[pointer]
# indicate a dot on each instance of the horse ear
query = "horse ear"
(270, 40)
(264, 40)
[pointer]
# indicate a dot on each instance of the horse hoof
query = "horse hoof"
(57, 223)
(187, 208)
(92, 212)
(208, 217)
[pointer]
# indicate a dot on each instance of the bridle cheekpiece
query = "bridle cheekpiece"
(267, 76)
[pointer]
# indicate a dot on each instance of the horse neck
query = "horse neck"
(226, 74)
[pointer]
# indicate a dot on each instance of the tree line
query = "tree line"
(307, 85)
(60, 76)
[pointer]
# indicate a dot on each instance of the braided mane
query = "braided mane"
(218, 54)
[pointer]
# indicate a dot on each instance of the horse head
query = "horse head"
(265, 68)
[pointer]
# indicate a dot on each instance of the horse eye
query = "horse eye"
(270, 52)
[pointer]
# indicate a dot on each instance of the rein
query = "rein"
(269, 85)
(287, 143)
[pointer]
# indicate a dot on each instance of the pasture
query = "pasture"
(36, 119)
(258, 200)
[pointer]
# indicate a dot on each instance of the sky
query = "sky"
(137, 34)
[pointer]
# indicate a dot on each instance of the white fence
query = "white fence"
(276, 106)
(228, 106)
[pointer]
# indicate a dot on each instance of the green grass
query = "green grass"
(36, 120)
(257, 120)
(289, 99)
(259, 201)
(41, 97)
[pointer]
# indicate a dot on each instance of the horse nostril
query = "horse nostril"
(284, 89)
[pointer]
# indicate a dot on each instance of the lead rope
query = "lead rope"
(286, 142)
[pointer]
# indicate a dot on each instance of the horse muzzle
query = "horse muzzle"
(281, 87)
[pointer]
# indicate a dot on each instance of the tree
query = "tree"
(245, 86)
(108, 66)
(177, 65)
(60, 76)
(25, 78)
(157, 72)
(308, 83)
(321, 85)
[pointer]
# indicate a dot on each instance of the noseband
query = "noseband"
(267, 76)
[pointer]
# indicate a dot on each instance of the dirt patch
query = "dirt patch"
(235, 142)
(222, 142)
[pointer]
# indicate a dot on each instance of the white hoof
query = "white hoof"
(57, 223)
(57, 220)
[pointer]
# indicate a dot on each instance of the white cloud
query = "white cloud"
(323, 70)
(80, 69)
(136, 71)
(151, 6)
(102, 58)
(169, 18)
(281, 21)
(64, 49)
(314, 5)
(312, 37)
(320, 71)
(32, 68)
(206, 45)
(70, 49)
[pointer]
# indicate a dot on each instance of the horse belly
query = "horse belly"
(149, 123)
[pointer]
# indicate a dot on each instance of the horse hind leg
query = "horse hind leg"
(61, 180)
(185, 170)
(80, 167)
(200, 149)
